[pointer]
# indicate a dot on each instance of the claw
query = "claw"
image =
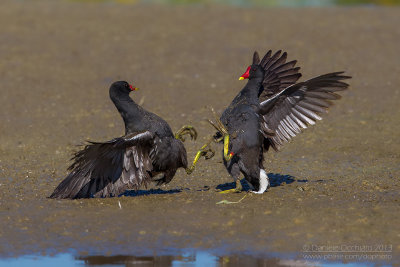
(190, 169)
(237, 189)
(186, 129)
(160, 181)
(208, 154)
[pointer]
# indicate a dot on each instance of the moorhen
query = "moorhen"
(148, 150)
(269, 111)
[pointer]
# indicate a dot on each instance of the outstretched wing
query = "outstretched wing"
(109, 168)
(278, 75)
(298, 106)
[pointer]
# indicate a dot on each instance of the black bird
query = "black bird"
(147, 150)
(269, 111)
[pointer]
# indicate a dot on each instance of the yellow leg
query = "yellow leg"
(227, 156)
(203, 152)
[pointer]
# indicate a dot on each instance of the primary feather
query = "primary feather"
(272, 109)
(104, 169)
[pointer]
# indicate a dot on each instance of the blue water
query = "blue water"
(62, 260)
(66, 260)
(195, 259)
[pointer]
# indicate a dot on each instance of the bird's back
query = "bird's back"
(156, 124)
(137, 119)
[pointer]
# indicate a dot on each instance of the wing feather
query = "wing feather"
(294, 125)
(109, 168)
(278, 74)
(299, 105)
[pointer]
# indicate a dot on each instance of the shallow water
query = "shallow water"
(195, 259)
(337, 183)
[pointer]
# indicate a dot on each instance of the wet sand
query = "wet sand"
(335, 184)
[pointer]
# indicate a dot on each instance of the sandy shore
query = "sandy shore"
(337, 183)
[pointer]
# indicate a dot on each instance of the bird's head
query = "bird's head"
(122, 87)
(254, 70)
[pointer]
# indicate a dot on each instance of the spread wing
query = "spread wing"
(279, 74)
(109, 168)
(298, 106)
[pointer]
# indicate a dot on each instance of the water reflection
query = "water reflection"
(196, 259)
(188, 259)
(126, 260)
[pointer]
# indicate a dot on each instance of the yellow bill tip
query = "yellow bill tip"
(241, 78)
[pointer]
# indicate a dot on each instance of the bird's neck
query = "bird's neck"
(250, 91)
(129, 110)
(249, 94)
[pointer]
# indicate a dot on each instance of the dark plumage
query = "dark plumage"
(128, 162)
(269, 111)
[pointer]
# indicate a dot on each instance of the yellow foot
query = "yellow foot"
(187, 129)
(233, 190)
(237, 189)
(205, 152)
(190, 169)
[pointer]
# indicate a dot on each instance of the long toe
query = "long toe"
(186, 130)
(227, 191)
(193, 133)
(233, 190)
(208, 154)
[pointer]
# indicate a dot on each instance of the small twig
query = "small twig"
(231, 202)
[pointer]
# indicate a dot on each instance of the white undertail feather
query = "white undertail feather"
(264, 182)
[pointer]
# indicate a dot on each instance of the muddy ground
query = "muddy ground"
(335, 184)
